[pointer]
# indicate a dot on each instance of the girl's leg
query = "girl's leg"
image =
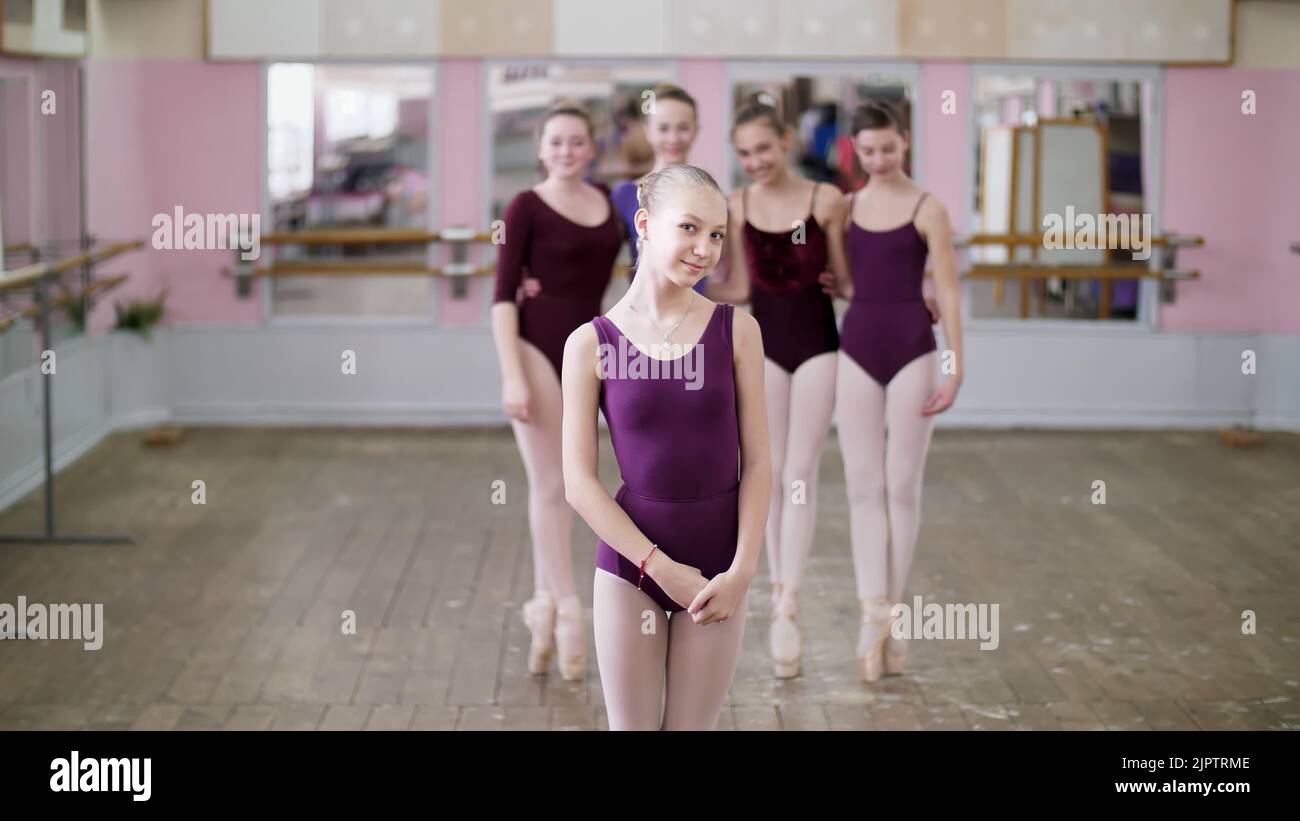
(550, 519)
(812, 397)
(861, 429)
(905, 452)
(862, 441)
(554, 614)
(701, 665)
(776, 384)
(632, 634)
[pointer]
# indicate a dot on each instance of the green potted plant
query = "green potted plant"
(76, 311)
(140, 315)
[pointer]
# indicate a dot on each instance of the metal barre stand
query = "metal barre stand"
(41, 291)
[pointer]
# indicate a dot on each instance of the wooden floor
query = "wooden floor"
(228, 615)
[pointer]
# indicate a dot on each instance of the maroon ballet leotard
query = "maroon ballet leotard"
(572, 262)
(677, 441)
(887, 325)
(796, 318)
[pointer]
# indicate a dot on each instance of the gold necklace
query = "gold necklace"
(679, 322)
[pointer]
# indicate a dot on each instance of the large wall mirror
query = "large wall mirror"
(818, 107)
(41, 192)
(1051, 143)
(347, 146)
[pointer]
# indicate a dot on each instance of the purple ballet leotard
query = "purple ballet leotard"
(887, 325)
(796, 317)
(573, 262)
(678, 452)
(624, 199)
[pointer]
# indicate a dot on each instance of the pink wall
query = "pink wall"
(40, 157)
(945, 156)
(169, 133)
(1046, 100)
(706, 80)
(188, 133)
(1234, 178)
(460, 176)
(60, 137)
(19, 108)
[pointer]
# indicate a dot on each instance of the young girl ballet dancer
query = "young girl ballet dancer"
(670, 128)
(681, 536)
(566, 234)
(785, 232)
(888, 369)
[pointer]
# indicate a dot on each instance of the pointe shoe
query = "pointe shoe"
(871, 638)
(895, 654)
(785, 643)
(571, 639)
(539, 614)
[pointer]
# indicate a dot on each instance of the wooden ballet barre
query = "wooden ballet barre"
(25, 276)
(96, 286)
(1171, 240)
(1106, 272)
(305, 268)
(369, 236)
(95, 257)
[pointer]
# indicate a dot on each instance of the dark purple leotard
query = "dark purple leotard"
(678, 451)
(573, 263)
(887, 325)
(796, 317)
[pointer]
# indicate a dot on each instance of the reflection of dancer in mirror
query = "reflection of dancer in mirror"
(681, 536)
(670, 127)
(565, 233)
(888, 371)
(785, 232)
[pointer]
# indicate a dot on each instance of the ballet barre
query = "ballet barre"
(28, 274)
(1164, 250)
(1161, 240)
(374, 267)
(370, 236)
(1044, 271)
(459, 269)
(96, 286)
(37, 278)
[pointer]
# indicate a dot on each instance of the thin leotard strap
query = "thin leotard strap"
(599, 323)
(852, 199)
(917, 209)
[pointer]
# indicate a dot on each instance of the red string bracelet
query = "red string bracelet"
(641, 578)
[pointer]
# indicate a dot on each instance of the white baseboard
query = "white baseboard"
(1003, 418)
(293, 414)
(248, 375)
